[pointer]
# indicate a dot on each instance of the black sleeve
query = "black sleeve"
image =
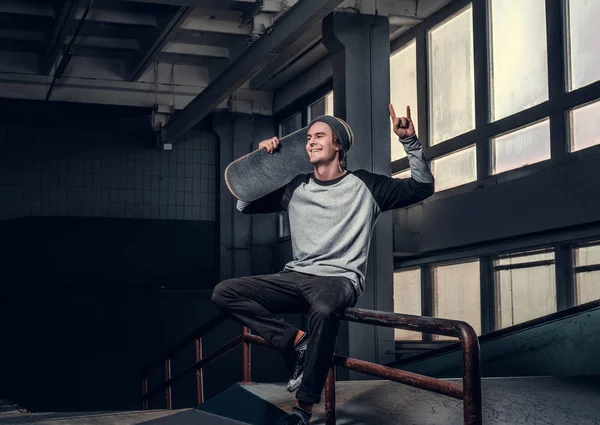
(391, 193)
(275, 201)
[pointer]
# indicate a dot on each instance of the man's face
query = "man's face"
(319, 144)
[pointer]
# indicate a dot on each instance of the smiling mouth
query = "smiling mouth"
(314, 150)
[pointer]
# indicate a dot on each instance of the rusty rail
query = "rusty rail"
(469, 391)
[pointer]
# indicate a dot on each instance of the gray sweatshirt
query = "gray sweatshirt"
(331, 222)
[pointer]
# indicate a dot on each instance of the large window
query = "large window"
(454, 169)
(451, 81)
(403, 90)
(496, 79)
(587, 273)
(456, 294)
(585, 126)
(521, 147)
(525, 287)
(583, 35)
(407, 300)
(519, 64)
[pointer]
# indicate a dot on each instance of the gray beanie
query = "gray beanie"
(342, 131)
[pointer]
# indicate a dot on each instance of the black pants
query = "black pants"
(255, 301)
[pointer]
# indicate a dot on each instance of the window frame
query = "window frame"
(574, 270)
(497, 268)
(563, 246)
(556, 108)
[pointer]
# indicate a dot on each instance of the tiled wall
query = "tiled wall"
(53, 170)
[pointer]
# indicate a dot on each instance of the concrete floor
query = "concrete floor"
(516, 401)
(87, 418)
(547, 401)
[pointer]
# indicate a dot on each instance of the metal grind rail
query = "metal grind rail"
(469, 391)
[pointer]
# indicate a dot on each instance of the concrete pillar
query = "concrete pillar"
(360, 50)
(245, 240)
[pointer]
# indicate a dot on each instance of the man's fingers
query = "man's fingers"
(408, 111)
(392, 112)
(273, 144)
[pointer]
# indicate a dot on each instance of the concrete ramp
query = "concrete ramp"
(548, 401)
(240, 404)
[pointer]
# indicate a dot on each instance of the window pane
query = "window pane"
(519, 68)
(291, 124)
(521, 147)
(407, 300)
(524, 293)
(451, 78)
(585, 126)
(317, 109)
(323, 106)
(456, 294)
(587, 256)
(403, 174)
(403, 90)
(587, 287)
(454, 169)
(587, 284)
(329, 103)
(584, 33)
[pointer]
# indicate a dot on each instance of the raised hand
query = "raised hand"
(403, 127)
(270, 144)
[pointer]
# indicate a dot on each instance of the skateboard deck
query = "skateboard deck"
(259, 173)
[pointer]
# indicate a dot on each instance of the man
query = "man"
(332, 213)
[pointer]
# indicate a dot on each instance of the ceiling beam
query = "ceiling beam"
(153, 46)
(299, 47)
(196, 50)
(64, 22)
(298, 19)
(123, 17)
(205, 24)
(237, 5)
(15, 7)
(107, 42)
(67, 50)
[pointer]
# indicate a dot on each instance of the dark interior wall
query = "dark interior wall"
(94, 221)
(100, 162)
(552, 198)
(74, 349)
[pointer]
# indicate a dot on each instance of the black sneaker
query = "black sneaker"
(296, 363)
(293, 419)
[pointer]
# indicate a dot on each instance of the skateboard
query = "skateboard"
(259, 173)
